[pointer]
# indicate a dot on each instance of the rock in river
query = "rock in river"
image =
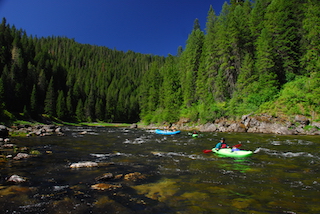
(84, 164)
(16, 179)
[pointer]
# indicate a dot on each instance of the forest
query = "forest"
(255, 57)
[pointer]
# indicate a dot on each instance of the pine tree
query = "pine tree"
(208, 65)
(61, 108)
(80, 112)
(311, 38)
(2, 100)
(69, 105)
(223, 70)
(50, 102)
(256, 19)
(282, 25)
(190, 63)
(34, 102)
(170, 91)
(99, 110)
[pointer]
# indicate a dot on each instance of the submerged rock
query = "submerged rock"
(135, 176)
(104, 186)
(160, 191)
(242, 203)
(105, 176)
(11, 190)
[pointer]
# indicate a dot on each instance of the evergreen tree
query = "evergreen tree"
(257, 17)
(311, 38)
(80, 112)
(208, 65)
(61, 108)
(282, 25)
(99, 110)
(189, 65)
(50, 101)
(34, 102)
(69, 105)
(170, 91)
(2, 100)
(223, 71)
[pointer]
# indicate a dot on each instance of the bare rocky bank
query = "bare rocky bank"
(299, 125)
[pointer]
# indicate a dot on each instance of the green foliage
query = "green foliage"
(300, 96)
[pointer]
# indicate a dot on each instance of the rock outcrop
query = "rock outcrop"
(299, 125)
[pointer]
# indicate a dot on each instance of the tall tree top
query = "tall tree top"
(236, 2)
(211, 19)
(196, 25)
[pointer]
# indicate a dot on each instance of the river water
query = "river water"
(282, 176)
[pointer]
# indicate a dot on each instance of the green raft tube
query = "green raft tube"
(233, 154)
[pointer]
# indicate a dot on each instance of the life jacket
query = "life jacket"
(223, 145)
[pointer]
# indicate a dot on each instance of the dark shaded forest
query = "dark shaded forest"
(258, 57)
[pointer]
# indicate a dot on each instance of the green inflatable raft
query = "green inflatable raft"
(233, 154)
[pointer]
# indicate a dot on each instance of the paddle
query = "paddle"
(210, 150)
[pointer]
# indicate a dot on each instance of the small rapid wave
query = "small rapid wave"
(283, 154)
(291, 142)
(138, 140)
(109, 155)
(175, 154)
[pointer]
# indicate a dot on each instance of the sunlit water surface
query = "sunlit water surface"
(282, 176)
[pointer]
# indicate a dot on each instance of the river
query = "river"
(282, 176)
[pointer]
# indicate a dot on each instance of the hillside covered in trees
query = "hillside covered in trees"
(258, 56)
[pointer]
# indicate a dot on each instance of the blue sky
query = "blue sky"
(156, 27)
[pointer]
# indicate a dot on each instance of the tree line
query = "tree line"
(260, 56)
(254, 57)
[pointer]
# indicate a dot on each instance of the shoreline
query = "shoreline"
(263, 124)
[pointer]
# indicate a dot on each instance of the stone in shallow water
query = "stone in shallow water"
(135, 176)
(105, 176)
(16, 179)
(21, 156)
(84, 164)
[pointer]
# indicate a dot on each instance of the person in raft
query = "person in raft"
(222, 144)
(235, 149)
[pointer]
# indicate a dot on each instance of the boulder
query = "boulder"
(134, 126)
(135, 176)
(236, 127)
(16, 179)
(21, 156)
(84, 164)
(301, 119)
(4, 132)
(284, 131)
(316, 124)
(209, 127)
(105, 176)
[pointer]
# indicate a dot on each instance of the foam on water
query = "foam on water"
(288, 154)
(138, 140)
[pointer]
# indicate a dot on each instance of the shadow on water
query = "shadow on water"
(141, 172)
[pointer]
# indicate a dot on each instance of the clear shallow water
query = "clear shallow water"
(283, 175)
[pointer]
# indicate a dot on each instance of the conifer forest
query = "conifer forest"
(259, 56)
